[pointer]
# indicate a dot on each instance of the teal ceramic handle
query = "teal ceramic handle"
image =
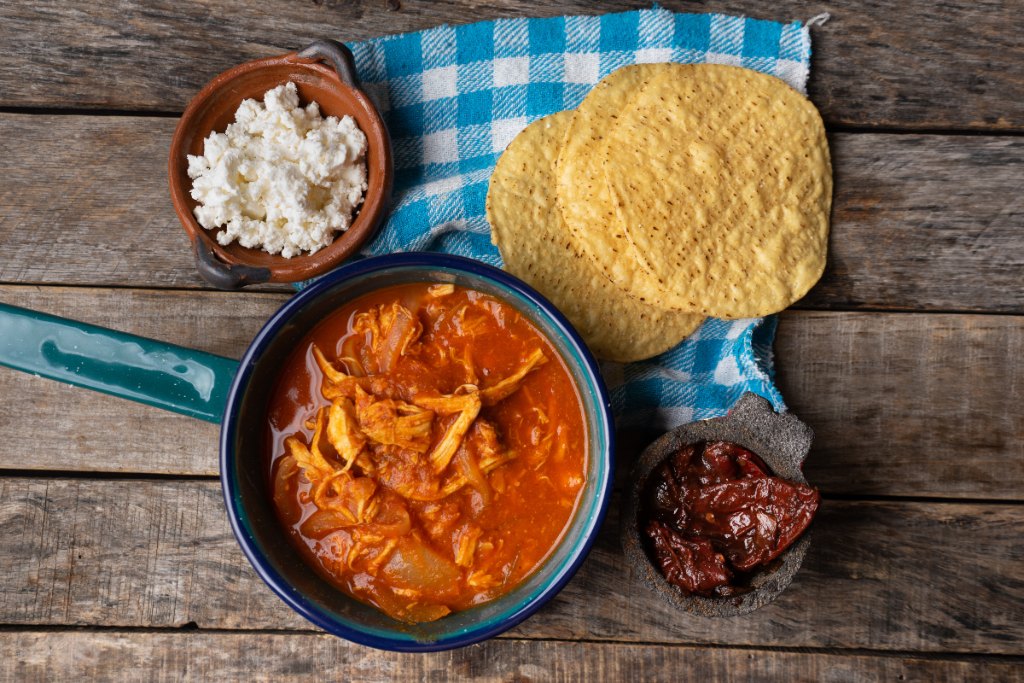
(172, 377)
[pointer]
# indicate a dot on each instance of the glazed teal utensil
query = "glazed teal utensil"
(159, 374)
(236, 393)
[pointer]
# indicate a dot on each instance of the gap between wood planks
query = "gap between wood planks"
(192, 627)
(85, 111)
(286, 290)
(829, 127)
(74, 475)
(106, 656)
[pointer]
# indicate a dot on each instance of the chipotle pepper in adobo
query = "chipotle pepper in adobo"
(715, 514)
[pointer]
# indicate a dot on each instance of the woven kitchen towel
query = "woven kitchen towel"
(455, 96)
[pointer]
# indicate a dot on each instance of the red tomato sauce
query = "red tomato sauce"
(428, 449)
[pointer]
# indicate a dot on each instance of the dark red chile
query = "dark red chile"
(715, 514)
(688, 562)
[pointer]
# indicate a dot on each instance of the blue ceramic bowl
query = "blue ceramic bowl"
(244, 459)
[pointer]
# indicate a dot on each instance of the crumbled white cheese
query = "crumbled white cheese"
(281, 177)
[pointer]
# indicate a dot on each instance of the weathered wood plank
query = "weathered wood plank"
(917, 221)
(901, 404)
(922, 222)
(132, 656)
(881, 576)
(102, 433)
(875, 63)
(85, 201)
(910, 404)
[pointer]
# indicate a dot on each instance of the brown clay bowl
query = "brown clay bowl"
(782, 441)
(337, 91)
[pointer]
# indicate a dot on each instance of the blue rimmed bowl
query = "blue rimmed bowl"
(244, 458)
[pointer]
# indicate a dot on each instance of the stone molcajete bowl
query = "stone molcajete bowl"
(782, 441)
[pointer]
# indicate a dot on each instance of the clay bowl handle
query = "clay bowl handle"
(224, 275)
(338, 55)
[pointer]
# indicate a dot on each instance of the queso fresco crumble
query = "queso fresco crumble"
(281, 177)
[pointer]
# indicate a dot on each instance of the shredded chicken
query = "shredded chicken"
(441, 290)
(366, 445)
(400, 328)
(310, 458)
(383, 555)
(467, 546)
(508, 386)
(466, 361)
(481, 579)
(343, 431)
(367, 324)
(468, 407)
(394, 423)
(337, 384)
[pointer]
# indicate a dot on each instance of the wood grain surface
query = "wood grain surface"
(116, 558)
(74, 655)
(914, 404)
(914, 414)
(880, 576)
(905, 64)
(919, 221)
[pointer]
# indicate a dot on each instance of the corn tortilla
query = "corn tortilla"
(583, 194)
(720, 176)
(528, 229)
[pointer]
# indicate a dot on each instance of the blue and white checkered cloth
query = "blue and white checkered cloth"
(455, 96)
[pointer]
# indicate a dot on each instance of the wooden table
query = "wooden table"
(116, 560)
